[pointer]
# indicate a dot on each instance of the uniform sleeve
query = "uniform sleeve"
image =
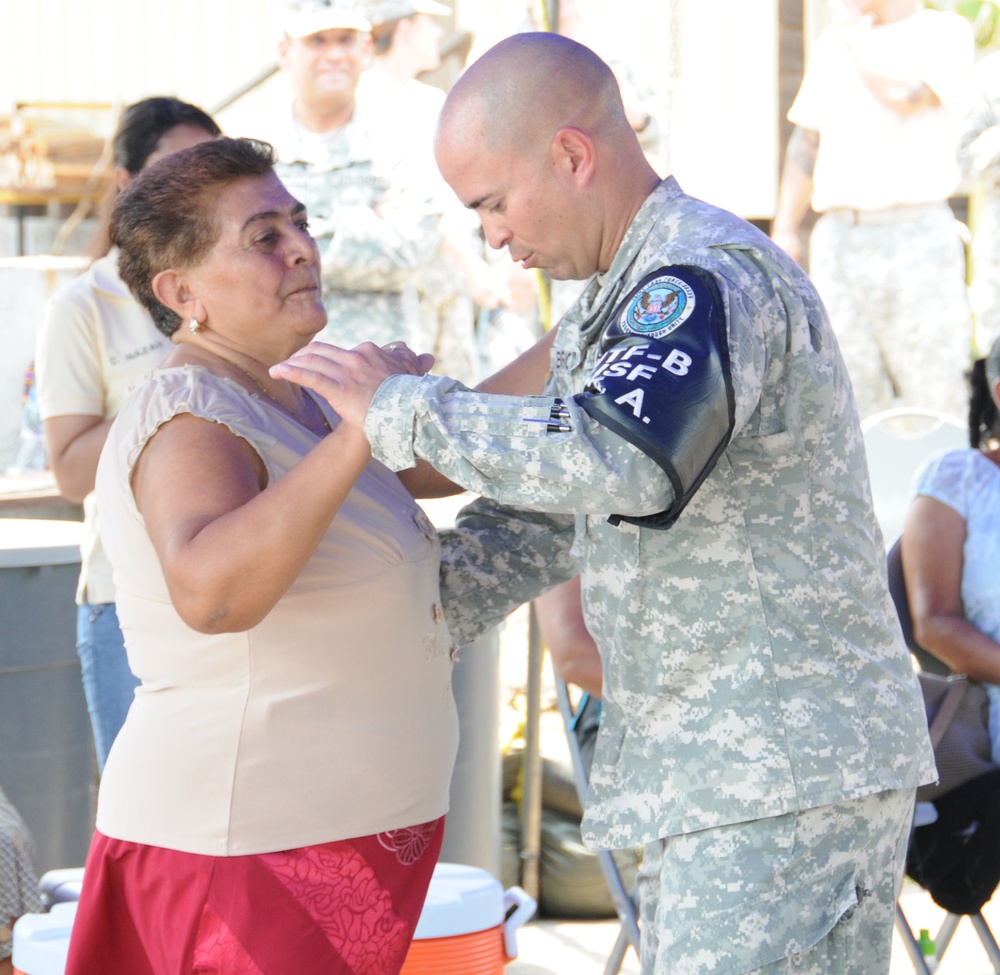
(380, 249)
(497, 558)
(655, 415)
(542, 452)
(68, 360)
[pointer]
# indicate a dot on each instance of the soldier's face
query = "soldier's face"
(525, 202)
(325, 66)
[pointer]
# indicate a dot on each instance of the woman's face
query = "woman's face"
(259, 287)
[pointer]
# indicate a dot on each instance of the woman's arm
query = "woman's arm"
(73, 445)
(933, 538)
(574, 653)
(229, 543)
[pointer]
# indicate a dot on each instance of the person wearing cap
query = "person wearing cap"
(874, 152)
(406, 37)
(373, 211)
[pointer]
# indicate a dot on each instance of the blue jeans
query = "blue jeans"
(107, 682)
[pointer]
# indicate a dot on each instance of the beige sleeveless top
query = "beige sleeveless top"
(331, 718)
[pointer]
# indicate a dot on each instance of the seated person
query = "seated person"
(951, 546)
(19, 893)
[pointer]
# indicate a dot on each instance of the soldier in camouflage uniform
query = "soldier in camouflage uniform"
(877, 121)
(979, 156)
(373, 214)
(697, 455)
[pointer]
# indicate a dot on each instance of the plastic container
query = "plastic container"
(41, 941)
(59, 886)
(464, 928)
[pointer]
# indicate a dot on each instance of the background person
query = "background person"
(94, 343)
(698, 448)
(951, 546)
(877, 120)
(19, 892)
(252, 816)
(979, 156)
(374, 211)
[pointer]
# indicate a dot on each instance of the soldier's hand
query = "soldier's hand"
(348, 378)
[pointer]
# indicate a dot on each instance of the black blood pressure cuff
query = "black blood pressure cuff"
(664, 382)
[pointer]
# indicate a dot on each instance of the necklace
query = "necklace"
(314, 406)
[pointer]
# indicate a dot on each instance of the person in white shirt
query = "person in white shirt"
(877, 120)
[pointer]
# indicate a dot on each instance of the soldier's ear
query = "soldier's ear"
(573, 154)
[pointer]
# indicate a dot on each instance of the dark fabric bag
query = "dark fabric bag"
(957, 857)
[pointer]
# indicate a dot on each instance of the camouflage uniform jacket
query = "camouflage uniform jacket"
(372, 258)
(752, 659)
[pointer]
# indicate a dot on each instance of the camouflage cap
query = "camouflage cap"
(305, 17)
(383, 11)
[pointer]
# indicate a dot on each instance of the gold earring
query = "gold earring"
(194, 325)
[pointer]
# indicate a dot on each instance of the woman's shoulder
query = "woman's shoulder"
(957, 474)
(169, 392)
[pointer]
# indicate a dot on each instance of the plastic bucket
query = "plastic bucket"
(41, 941)
(464, 928)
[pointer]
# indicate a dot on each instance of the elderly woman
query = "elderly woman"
(274, 802)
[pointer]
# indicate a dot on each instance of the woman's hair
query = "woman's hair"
(143, 124)
(140, 128)
(984, 418)
(165, 218)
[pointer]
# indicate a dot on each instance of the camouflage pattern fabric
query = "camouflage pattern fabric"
(377, 224)
(979, 157)
(894, 288)
(19, 892)
(753, 665)
(786, 895)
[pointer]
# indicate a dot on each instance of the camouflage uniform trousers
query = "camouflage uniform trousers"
(894, 288)
(812, 893)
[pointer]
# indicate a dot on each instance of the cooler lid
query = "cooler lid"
(41, 941)
(460, 900)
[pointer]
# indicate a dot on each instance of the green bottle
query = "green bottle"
(928, 949)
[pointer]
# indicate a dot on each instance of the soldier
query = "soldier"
(979, 156)
(762, 730)
(372, 211)
(873, 151)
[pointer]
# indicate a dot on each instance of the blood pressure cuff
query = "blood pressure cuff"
(663, 382)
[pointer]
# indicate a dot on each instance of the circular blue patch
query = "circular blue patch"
(660, 307)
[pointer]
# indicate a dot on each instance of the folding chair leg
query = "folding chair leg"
(989, 942)
(614, 963)
(910, 943)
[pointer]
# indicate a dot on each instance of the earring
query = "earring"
(194, 325)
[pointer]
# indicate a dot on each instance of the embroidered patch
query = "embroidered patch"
(662, 305)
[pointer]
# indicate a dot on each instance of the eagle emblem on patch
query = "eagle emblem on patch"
(663, 304)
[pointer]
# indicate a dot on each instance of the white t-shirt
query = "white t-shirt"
(95, 343)
(871, 156)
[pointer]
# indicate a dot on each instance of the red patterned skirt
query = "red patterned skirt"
(343, 908)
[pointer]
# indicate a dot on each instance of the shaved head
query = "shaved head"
(518, 94)
(533, 137)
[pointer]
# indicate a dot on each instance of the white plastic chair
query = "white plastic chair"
(897, 443)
